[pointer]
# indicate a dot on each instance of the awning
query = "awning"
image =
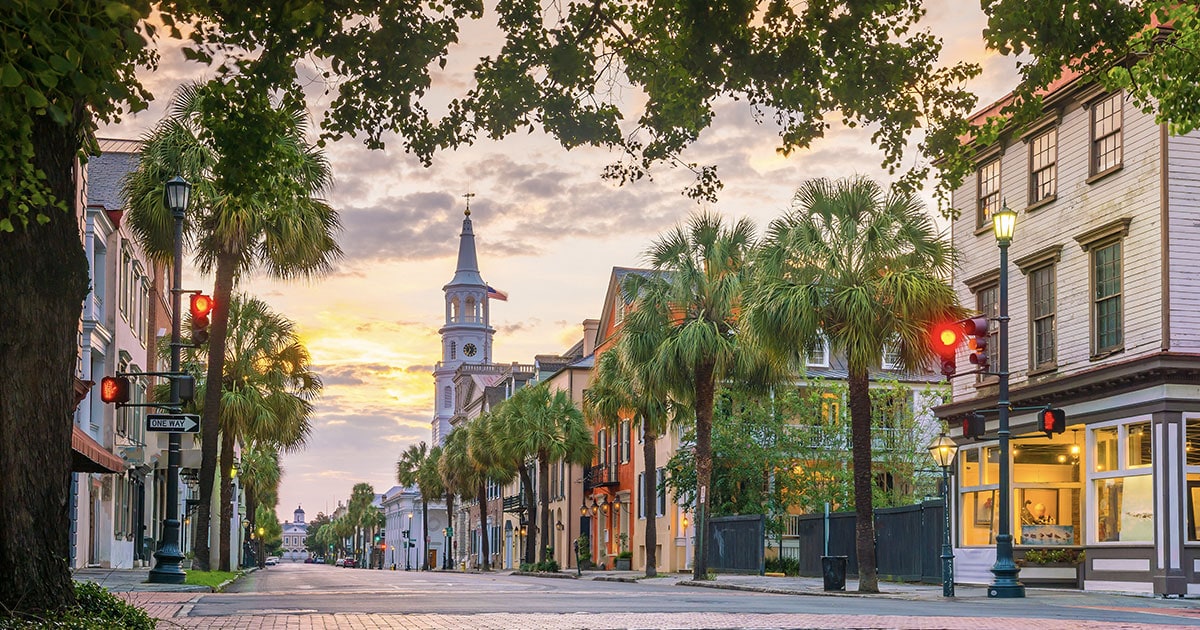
(89, 456)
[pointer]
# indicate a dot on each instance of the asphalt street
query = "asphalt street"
(300, 589)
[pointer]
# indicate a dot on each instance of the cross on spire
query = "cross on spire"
(468, 198)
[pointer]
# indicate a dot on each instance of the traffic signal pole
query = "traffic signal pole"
(167, 569)
(1005, 584)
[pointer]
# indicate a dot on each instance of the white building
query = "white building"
(1104, 325)
(402, 511)
(295, 537)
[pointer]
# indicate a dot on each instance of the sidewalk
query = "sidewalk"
(134, 580)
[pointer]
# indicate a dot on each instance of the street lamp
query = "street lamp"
(1005, 584)
(166, 560)
(408, 543)
(942, 449)
(262, 531)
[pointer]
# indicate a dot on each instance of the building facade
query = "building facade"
(1104, 326)
(294, 539)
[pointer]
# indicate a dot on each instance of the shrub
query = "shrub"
(625, 555)
(786, 566)
(1053, 556)
(549, 566)
(95, 609)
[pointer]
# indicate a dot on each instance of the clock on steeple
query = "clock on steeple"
(470, 349)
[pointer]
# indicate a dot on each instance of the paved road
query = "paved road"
(317, 596)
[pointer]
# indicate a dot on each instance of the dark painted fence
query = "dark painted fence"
(908, 541)
(735, 544)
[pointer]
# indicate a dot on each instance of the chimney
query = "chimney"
(591, 328)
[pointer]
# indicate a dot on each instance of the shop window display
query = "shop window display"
(1047, 489)
(1191, 449)
(1124, 501)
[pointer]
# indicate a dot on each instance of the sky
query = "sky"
(548, 231)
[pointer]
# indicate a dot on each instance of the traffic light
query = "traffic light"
(1053, 421)
(976, 329)
(202, 305)
(945, 340)
(973, 426)
(187, 387)
(114, 389)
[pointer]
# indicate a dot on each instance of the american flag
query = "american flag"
(496, 294)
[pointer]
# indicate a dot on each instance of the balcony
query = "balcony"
(513, 505)
(600, 476)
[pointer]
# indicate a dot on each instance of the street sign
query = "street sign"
(173, 422)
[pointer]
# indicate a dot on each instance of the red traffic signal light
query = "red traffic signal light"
(114, 389)
(1053, 421)
(202, 305)
(973, 426)
(945, 341)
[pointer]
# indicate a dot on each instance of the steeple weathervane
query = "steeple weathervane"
(468, 198)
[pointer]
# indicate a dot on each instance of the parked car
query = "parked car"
(340, 562)
(349, 563)
(272, 561)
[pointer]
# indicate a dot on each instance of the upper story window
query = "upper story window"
(1043, 166)
(1104, 248)
(1106, 298)
(891, 356)
(447, 398)
(989, 193)
(1042, 316)
(1106, 135)
(453, 350)
(817, 352)
(987, 302)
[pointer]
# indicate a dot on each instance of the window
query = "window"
(1122, 481)
(625, 442)
(989, 193)
(453, 350)
(1106, 299)
(816, 354)
(1106, 135)
(447, 398)
(601, 448)
(831, 407)
(891, 356)
(1041, 310)
(1043, 168)
(641, 485)
(662, 492)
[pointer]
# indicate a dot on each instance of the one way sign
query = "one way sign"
(173, 422)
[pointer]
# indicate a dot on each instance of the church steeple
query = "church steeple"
(467, 272)
(467, 333)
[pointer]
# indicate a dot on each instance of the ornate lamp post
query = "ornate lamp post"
(166, 568)
(943, 449)
(262, 531)
(1005, 584)
(408, 544)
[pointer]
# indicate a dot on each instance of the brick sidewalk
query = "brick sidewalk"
(615, 621)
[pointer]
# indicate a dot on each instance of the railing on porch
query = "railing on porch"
(600, 476)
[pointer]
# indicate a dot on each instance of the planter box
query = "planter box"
(623, 564)
(1057, 574)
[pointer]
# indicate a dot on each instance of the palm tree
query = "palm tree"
(864, 268)
(621, 390)
(260, 475)
(243, 216)
(492, 463)
(551, 428)
(358, 515)
(455, 469)
(267, 392)
(418, 466)
(684, 328)
(513, 452)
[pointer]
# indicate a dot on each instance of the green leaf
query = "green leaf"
(9, 77)
(6, 225)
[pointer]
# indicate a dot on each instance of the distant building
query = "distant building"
(295, 537)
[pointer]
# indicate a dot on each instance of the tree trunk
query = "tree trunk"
(527, 500)
(705, 388)
(425, 533)
(43, 282)
(650, 497)
(860, 442)
(226, 496)
(210, 424)
(544, 501)
(484, 548)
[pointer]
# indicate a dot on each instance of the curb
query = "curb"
(784, 591)
(220, 588)
(541, 574)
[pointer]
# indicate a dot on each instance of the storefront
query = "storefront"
(1122, 487)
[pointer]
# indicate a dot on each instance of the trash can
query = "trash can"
(833, 569)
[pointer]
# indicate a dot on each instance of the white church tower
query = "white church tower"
(467, 334)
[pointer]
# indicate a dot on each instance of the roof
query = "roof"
(105, 173)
